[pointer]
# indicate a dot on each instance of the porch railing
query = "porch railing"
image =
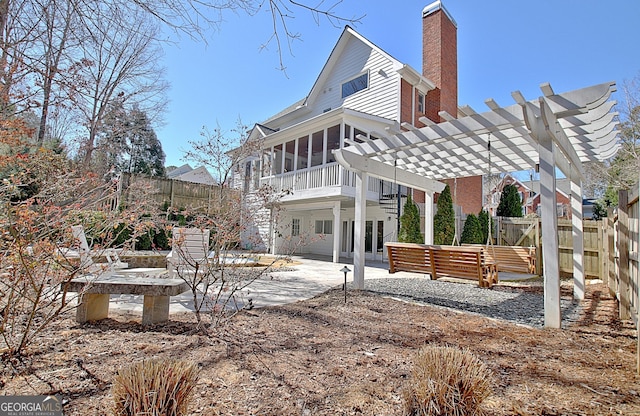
(318, 177)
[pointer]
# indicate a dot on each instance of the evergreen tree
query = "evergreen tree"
(485, 221)
(128, 143)
(510, 202)
(410, 223)
(444, 222)
(146, 155)
(472, 232)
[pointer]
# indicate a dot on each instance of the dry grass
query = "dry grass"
(447, 381)
(155, 388)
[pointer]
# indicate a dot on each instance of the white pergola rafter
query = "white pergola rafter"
(555, 131)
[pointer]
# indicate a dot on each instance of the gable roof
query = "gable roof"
(187, 174)
(179, 171)
(348, 33)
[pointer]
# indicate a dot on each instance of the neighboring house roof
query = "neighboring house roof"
(562, 185)
(197, 175)
(179, 171)
(508, 179)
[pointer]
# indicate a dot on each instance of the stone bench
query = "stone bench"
(93, 303)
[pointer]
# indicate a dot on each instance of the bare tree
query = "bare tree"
(221, 289)
(118, 63)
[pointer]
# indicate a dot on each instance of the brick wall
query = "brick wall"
(405, 101)
(440, 63)
(469, 193)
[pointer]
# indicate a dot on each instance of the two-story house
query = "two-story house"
(361, 93)
(530, 196)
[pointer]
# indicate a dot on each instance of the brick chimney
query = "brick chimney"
(440, 65)
(440, 60)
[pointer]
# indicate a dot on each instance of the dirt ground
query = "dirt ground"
(325, 357)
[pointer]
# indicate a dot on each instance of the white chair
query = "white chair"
(189, 251)
(113, 264)
(87, 264)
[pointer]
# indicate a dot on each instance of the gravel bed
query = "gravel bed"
(502, 302)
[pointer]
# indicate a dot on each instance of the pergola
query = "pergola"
(553, 132)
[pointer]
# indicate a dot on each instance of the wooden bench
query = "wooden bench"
(515, 259)
(408, 257)
(93, 303)
(463, 262)
(467, 262)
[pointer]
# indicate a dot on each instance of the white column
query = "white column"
(336, 232)
(578, 241)
(359, 228)
(273, 232)
(428, 217)
(550, 252)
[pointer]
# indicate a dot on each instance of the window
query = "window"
(266, 163)
(368, 236)
(357, 133)
(277, 160)
(247, 176)
(333, 142)
(303, 153)
(420, 103)
(347, 133)
(324, 227)
(295, 227)
(317, 147)
(289, 152)
(356, 84)
(380, 235)
(256, 174)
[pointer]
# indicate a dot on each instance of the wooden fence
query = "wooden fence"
(623, 271)
(527, 232)
(622, 267)
(177, 194)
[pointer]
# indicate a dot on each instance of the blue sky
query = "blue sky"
(503, 46)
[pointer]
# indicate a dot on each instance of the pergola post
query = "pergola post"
(359, 229)
(578, 238)
(428, 217)
(550, 249)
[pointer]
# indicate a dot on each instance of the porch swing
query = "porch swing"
(513, 259)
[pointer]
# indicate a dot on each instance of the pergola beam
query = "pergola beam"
(357, 163)
(556, 131)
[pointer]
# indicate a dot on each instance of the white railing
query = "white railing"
(315, 179)
(301, 180)
(319, 177)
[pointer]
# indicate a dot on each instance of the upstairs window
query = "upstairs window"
(356, 84)
(420, 103)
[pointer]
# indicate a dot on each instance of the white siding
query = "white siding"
(380, 99)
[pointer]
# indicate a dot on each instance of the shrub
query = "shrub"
(510, 204)
(155, 387)
(410, 223)
(444, 222)
(485, 222)
(472, 231)
(161, 240)
(447, 381)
